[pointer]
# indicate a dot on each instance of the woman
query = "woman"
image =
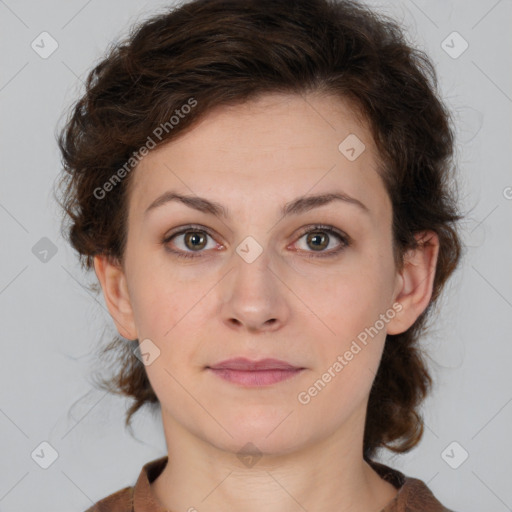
(263, 191)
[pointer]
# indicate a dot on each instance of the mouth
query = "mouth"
(254, 373)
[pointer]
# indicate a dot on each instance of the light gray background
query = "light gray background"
(51, 325)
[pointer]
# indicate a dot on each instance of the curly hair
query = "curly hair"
(208, 53)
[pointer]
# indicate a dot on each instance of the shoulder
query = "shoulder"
(419, 498)
(413, 494)
(133, 497)
(120, 501)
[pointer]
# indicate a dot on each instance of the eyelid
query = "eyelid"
(326, 227)
(189, 227)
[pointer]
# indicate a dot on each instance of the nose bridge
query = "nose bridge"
(253, 294)
(253, 275)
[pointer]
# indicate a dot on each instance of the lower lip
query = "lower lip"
(255, 378)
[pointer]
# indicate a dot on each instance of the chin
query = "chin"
(257, 445)
(265, 430)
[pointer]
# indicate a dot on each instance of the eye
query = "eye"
(194, 240)
(320, 237)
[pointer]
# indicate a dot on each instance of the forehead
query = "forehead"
(278, 146)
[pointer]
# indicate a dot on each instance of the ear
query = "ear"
(415, 282)
(113, 282)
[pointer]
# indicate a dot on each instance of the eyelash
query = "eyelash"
(346, 241)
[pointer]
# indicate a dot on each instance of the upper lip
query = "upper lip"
(243, 364)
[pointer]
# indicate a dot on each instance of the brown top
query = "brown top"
(413, 495)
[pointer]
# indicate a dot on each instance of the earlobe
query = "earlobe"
(115, 291)
(415, 282)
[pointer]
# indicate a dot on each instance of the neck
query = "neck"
(329, 475)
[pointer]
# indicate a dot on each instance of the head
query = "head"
(252, 105)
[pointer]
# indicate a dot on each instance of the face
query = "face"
(270, 276)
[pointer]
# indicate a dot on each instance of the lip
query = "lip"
(264, 372)
(246, 365)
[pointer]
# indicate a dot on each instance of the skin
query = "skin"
(254, 158)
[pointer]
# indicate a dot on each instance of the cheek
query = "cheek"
(354, 300)
(348, 358)
(170, 316)
(163, 299)
(333, 395)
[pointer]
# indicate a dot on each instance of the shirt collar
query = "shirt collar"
(411, 491)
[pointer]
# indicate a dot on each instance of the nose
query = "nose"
(254, 295)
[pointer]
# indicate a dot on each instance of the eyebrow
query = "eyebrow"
(299, 205)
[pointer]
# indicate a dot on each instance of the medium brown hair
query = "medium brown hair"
(227, 52)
